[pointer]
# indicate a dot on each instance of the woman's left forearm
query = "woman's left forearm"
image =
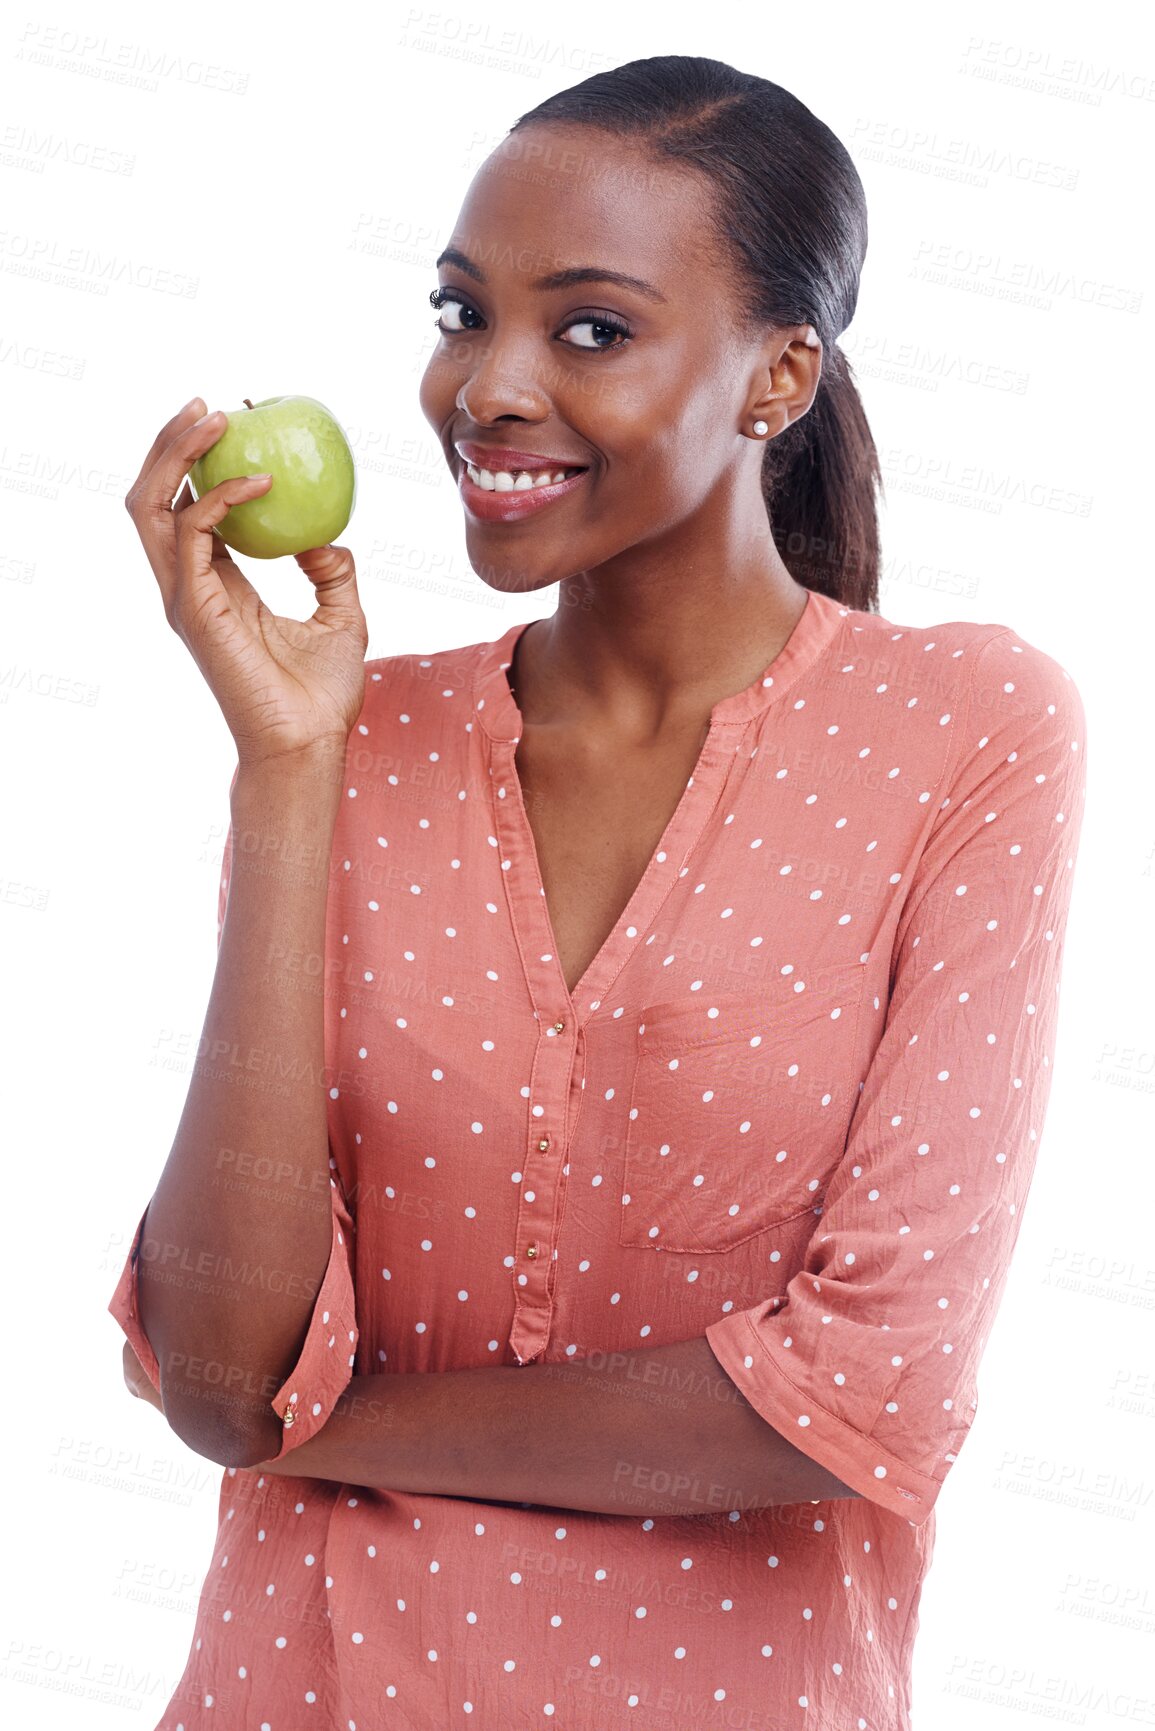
(661, 1432)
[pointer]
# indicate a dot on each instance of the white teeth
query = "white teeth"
(518, 481)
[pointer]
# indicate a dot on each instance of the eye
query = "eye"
(443, 298)
(605, 323)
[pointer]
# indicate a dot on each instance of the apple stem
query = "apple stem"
(246, 402)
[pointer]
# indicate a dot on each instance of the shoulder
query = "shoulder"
(419, 683)
(987, 666)
(1014, 677)
(458, 663)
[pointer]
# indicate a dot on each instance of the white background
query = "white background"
(296, 171)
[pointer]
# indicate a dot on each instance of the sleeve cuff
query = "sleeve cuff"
(123, 1305)
(324, 1368)
(757, 1369)
(324, 1365)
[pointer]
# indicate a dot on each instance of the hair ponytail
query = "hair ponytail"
(791, 209)
(818, 480)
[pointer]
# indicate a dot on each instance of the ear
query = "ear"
(793, 369)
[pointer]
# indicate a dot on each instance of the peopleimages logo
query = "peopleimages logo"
(130, 64)
(47, 259)
(1043, 1694)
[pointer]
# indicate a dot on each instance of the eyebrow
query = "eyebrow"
(558, 278)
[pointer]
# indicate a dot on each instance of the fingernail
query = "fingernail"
(205, 418)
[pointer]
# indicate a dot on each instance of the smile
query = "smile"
(505, 495)
(516, 480)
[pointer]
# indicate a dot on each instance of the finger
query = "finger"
(234, 581)
(221, 552)
(152, 495)
(194, 582)
(237, 585)
(222, 555)
(325, 564)
(333, 574)
(185, 417)
(150, 505)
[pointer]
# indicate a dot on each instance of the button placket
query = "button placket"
(555, 1100)
(551, 1079)
(537, 1212)
(552, 1070)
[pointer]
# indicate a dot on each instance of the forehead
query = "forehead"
(552, 197)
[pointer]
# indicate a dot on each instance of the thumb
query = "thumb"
(333, 573)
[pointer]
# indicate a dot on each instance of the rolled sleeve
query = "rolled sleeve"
(124, 1306)
(324, 1364)
(870, 1366)
(324, 1367)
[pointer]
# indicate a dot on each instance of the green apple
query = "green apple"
(310, 498)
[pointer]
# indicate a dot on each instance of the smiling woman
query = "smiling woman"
(726, 228)
(690, 996)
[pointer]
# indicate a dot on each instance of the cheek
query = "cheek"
(677, 469)
(437, 391)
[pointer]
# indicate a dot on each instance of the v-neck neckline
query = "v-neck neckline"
(501, 724)
(500, 717)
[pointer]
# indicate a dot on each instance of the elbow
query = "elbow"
(219, 1430)
(219, 1406)
(215, 1436)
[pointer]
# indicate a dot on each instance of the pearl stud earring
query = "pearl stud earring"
(761, 427)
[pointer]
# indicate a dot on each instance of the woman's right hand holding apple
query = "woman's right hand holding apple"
(286, 687)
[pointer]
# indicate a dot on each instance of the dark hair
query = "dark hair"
(790, 207)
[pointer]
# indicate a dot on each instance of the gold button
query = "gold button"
(531, 1250)
(558, 1026)
(543, 1145)
(289, 1417)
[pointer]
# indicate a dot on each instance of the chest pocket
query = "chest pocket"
(739, 1107)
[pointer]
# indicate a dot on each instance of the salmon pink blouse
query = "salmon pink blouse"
(794, 1104)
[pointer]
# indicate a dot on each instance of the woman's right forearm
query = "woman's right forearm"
(238, 1233)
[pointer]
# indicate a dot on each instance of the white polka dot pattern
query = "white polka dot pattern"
(921, 1218)
(794, 1105)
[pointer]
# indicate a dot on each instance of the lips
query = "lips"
(499, 457)
(511, 506)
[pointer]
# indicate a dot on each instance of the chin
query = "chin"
(509, 580)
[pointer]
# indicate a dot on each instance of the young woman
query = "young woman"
(630, 1038)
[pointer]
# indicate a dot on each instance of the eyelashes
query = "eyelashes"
(441, 298)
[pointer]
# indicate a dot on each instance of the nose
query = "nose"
(486, 399)
(501, 385)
